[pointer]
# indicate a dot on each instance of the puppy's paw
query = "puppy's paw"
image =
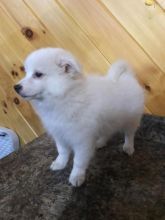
(128, 149)
(77, 180)
(57, 165)
(100, 143)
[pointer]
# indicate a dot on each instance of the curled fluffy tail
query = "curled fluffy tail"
(118, 69)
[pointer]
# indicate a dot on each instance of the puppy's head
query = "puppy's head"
(49, 71)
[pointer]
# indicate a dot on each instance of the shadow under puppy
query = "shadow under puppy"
(81, 112)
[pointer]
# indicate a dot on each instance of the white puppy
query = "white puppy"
(81, 112)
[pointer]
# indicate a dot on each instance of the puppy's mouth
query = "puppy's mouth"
(31, 97)
(27, 96)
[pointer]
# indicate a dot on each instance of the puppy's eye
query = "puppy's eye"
(38, 75)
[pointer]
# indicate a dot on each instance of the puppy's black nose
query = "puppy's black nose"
(18, 88)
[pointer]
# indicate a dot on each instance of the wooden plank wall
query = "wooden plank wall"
(97, 31)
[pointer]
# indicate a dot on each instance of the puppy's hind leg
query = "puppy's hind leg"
(101, 142)
(128, 146)
(63, 156)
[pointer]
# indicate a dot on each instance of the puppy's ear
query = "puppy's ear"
(70, 66)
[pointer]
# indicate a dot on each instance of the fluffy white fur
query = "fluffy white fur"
(81, 112)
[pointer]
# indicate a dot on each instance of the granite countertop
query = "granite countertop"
(118, 187)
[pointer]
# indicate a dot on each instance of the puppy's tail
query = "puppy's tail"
(118, 69)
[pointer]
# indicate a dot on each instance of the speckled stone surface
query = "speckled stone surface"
(118, 187)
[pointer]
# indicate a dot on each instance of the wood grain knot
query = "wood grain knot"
(14, 73)
(27, 32)
(148, 88)
(16, 101)
(22, 68)
(149, 2)
(4, 111)
(4, 104)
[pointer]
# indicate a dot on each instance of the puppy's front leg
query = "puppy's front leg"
(82, 156)
(130, 130)
(63, 156)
